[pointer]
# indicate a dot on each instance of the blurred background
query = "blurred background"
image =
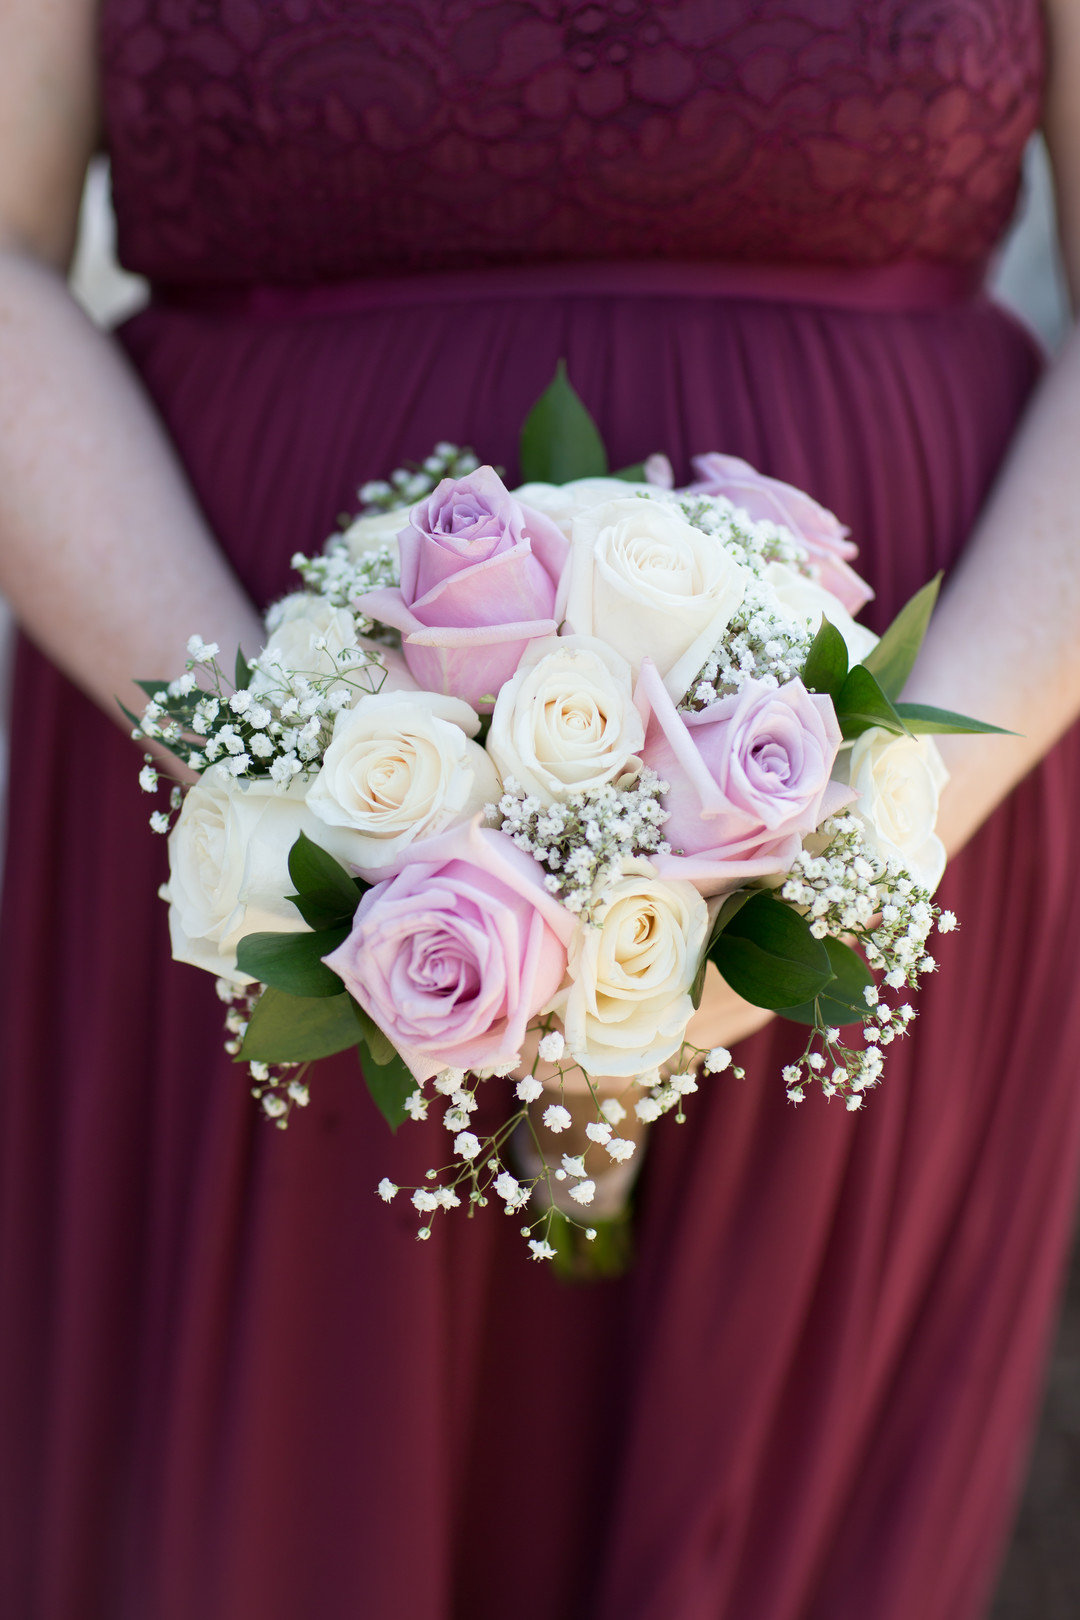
(1041, 1576)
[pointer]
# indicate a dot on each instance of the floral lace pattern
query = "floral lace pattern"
(312, 140)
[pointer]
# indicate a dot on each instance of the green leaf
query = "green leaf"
(560, 440)
(243, 671)
(298, 1029)
(150, 687)
(893, 658)
(292, 962)
(842, 1000)
(389, 1083)
(826, 663)
(326, 895)
(632, 475)
(732, 903)
(379, 1045)
(768, 955)
(860, 704)
(923, 717)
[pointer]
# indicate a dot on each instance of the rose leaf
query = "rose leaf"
(326, 895)
(893, 659)
(860, 704)
(923, 717)
(826, 666)
(293, 962)
(389, 1081)
(768, 955)
(297, 1029)
(560, 441)
(842, 1000)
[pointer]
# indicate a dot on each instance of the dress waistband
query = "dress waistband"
(889, 288)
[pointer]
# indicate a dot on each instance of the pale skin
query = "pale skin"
(110, 566)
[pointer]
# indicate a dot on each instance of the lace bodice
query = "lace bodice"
(314, 140)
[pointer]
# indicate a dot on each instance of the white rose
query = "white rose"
(646, 581)
(308, 634)
(563, 502)
(229, 867)
(628, 1001)
(375, 531)
(804, 600)
(566, 721)
(899, 780)
(400, 767)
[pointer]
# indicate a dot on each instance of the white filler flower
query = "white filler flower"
(566, 722)
(647, 581)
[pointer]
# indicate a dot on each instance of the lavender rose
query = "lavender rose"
(457, 952)
(823, 535)
(749, 778)
(479, 573)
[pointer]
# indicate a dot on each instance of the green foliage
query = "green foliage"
(842, 1001)
(826, 666)
(732, 903)
(388, 1079)
(560, 441)
(326, 895)
(292, 962)
(299, 1029)
(243, 671)
(861, 703)
(893, 659)
(632, 475)
(923, 717)
(768, 955)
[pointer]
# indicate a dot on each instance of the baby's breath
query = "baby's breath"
(761, 642)
(277, 727)
(849, 892)
(582, 840)
(343, 579)
(417, 479)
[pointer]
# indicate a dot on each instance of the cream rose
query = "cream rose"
(564, 502)
(308, 635)
(229, 867)
(372, 533)
(804, 600)
(628, 1003)
(899, 780)
(566, 722)
(646, 581)
(400, 767)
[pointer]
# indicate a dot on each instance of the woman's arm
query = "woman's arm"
(104, 555)
(1004, 643)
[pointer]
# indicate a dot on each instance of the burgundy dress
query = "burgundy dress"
(234, 1386)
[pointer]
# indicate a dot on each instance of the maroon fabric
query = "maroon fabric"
(311, 140)
(233, 1386)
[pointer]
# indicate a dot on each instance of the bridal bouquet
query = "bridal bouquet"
(514, 767)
